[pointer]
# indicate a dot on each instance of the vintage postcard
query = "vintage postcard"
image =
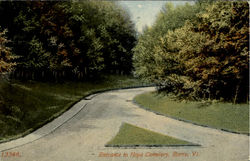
(103, 80)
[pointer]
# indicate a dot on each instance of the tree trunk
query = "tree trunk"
(86, 71)
(33, 75)
(236, 93)
(22, 75)
(42, 74)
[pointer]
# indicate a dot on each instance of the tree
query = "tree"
(5, 54)
(148, 61)
(78, 39)
(226, 24)
(206, 58)
(143, 58)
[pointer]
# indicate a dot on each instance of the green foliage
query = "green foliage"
(147, 51)
(78, 38)
(5, 53)
(171, 18)
(143, 56)
(206, 57)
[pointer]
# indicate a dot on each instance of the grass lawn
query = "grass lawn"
(227, 116)
(130, 135)
(25, 106)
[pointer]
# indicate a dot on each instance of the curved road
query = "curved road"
(81, 133)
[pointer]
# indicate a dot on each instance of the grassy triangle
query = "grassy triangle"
(130, 135)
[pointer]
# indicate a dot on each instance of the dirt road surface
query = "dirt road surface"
(81, 133)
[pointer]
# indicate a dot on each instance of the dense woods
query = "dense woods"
(195, 51)
(66, 40)
(198, 51)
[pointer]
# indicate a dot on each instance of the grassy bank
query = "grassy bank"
(130, 136)
(25, 106)
(231, 117)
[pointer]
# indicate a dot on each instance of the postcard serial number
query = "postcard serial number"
(10, 154)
